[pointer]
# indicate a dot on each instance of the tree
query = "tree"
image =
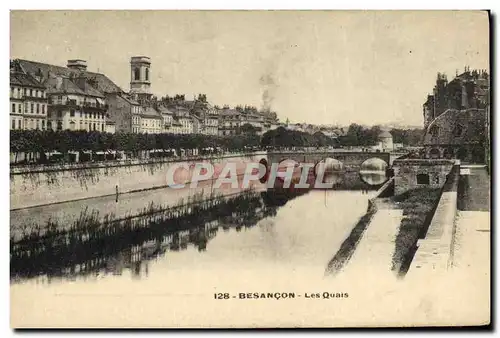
(247, 128)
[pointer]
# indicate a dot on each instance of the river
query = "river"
(274, 238)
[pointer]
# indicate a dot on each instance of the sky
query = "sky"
(319, 67)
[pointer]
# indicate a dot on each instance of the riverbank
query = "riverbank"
(44, 185)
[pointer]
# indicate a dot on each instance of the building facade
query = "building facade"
(456, 118)
(28, 100)
(467, 90)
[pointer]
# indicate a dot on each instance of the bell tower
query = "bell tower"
(140, 75)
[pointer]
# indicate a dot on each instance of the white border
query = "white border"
(189, 4)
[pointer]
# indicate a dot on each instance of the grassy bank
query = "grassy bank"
(418, 206)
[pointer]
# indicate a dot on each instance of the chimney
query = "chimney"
(77, 64)
(81, 81)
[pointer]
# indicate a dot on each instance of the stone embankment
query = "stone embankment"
(43, 185)
(434, 250)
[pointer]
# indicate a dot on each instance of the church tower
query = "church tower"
(140, 75)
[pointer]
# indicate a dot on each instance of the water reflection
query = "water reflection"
(373, 177)
(131, 243)
(110, 247)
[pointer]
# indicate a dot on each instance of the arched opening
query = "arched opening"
(137, 74)
(263, 178)
(327, 166)
(374, 164)
(434, 153)
(373, 171)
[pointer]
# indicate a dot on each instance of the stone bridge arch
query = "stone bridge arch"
(351, 160)
(371, 164)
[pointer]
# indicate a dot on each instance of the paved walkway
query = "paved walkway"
(471, 247)
(373, 256)
(474, 188)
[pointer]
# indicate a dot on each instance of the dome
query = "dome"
(384, 134)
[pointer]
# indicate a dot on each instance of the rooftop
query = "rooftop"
(44, 69)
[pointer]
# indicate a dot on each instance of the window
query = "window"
(102, 126)
(37, 108)
(43, 109)
(49, 125)
(457, 132)
(434, 131)
(18, 124)
(13, 107)
(37, 93)
(19, 108)
(72, 113)
(137, 74)
(43, 124)
(94, 126)
(31, 92)
(25, 91)
(422, 179)
(13, 124)
(32, 108)
(147, 74)
(59, 125)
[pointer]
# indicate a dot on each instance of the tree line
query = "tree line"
(358, 135)
(42, 141)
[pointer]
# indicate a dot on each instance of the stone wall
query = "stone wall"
(412, 173)
(434, 250)
(41, 185)
(351, 160)
(457, 134)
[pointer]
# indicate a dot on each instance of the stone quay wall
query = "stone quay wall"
(413, 173)
(434, 250)
(32, 186)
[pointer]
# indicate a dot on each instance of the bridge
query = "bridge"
(351, 160)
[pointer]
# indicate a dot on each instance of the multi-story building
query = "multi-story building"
(211, 124)
(124, 112)
(468, 90)
(197, 124)
(167, 116)
(254, 119)
(151, 121)
(75, 105)
(229, 122)
(186, 122)
(98, 88)
(28, 100)
(455, 117)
